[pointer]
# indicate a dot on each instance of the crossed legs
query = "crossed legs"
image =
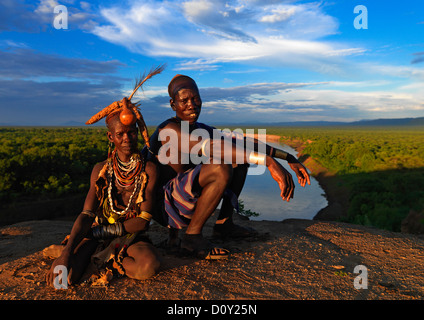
(141, 263)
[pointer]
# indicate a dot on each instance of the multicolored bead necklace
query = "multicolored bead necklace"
(126, 174)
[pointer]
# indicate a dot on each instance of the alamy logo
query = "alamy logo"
(361, 20)
(61, 280)
(61, 19)
(361, 281)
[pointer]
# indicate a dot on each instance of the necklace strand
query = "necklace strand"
(134, 165)
(125, 172)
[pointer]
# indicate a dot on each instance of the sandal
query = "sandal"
(199, 247)
(232, 231)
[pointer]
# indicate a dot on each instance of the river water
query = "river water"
(261, 194)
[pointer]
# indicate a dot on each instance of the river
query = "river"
(261, 194)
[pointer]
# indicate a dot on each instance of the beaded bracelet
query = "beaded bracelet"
(89, 213)
(109, 231)
(145, 216)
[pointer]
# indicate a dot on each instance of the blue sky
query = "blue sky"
(254, 61)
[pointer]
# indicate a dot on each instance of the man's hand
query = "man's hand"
(301, 172)
(283, 178)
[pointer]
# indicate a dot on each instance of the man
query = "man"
(117, 208)
(192, 192)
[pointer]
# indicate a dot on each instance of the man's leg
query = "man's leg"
(236, 185)
(213, 180)
(225, 226)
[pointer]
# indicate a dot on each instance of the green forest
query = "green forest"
(383, 167)
(48, 162)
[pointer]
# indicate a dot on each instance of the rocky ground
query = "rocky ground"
(293, 259)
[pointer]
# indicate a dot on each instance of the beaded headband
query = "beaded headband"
(129, 112)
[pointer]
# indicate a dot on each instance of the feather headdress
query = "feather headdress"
(129, 112)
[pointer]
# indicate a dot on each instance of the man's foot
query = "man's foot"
(196, 245)
(229, 230)
(172, 244)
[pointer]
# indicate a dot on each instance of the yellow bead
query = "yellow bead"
(111, 220)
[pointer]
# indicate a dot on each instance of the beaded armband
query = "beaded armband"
(280, 154)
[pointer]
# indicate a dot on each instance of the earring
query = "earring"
(110, 149)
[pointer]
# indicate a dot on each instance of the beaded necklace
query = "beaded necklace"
(126, 174)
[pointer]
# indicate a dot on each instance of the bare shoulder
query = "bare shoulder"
(97, 167)
(171, 125)
(151, 168)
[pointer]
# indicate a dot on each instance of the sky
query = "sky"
(254, 61)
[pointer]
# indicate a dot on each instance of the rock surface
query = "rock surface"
(293, 259)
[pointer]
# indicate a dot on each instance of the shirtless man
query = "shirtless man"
(117, 206)
(193, 192)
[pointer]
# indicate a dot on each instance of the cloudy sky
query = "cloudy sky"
(254, 60)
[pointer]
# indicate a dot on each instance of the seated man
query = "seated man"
(117, 206)
(192, 192)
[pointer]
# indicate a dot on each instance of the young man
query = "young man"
(117, 208)
(192, 192)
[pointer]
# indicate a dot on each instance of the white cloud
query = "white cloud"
(281, 102)
(46, 7)
(218, 18)
(83, 17)
(284, 102)
(278, 15)
(298, 21)
(206, 33)
(367, 104)
(408, 72)
(197, 7)
(198, 64)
